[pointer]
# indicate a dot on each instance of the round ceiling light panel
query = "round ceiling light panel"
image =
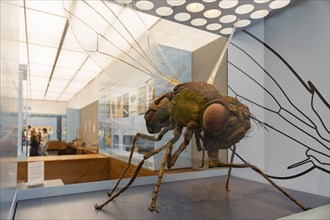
(243, 23)
(182, 16)
(244, 9)
(225, 4)
(209, 1)
(279, 4)
(213, 27)
(228, 19)
(198, 22)
(144, 5)
(212, 13)
(259, 14)
(176, 2)
(195, 7)
(164, 11)
(226, 31)
(260, 1)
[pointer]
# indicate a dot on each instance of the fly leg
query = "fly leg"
(138, 168)
(198, 139)
(136, 172)
(144, 136)
(129, 159)
(247, 165)
(169, 145)
(172, 158)
(229, 169)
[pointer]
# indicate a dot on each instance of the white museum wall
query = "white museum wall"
(251, 148)
(294, 34)
(306, 47)
(9, 74)
(47, 107)
(87, 95)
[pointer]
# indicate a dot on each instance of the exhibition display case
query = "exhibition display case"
(122, 108)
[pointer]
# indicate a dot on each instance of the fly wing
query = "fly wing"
(113, 35)
(295, 117)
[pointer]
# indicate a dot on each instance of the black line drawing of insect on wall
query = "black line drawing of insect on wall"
(305, 125)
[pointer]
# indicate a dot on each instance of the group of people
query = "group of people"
(38, 142)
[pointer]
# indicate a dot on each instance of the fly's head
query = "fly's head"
(225, 122)
(157, 116)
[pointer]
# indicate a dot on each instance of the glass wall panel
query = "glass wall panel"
(122, 109)
(9, 75)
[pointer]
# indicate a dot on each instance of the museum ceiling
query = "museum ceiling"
(57, 67)
(215, 16)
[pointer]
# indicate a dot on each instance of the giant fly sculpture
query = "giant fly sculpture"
(217, 121)
(199, 109)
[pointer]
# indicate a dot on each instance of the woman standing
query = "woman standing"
(44, 142)
(34, 151)
(39, 138)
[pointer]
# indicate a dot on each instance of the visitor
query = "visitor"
(34, 144)
(28, 141)
(44, 142)
(39, 137)
(28, 135)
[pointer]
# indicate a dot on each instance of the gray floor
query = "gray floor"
(192, 199)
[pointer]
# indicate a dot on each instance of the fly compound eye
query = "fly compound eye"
(214, 118)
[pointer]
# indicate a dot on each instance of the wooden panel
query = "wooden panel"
(22, 171)
(56, 145)
(117, 167)
(79, 168)
(78, 171)
(70, 168)
(66, 157)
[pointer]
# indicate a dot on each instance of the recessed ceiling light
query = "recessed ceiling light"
(176, 2)
(244, 9)
(195, 7)
(182, 16)
(198, 22)
(279, 4)
(260, 1)
(228, 3)
(144, 5)
(212, 13)
(243, 23)
(226, 31)
(209, 0)
(164, 11)
(213, 27)
(259, 14)
(228, 18)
